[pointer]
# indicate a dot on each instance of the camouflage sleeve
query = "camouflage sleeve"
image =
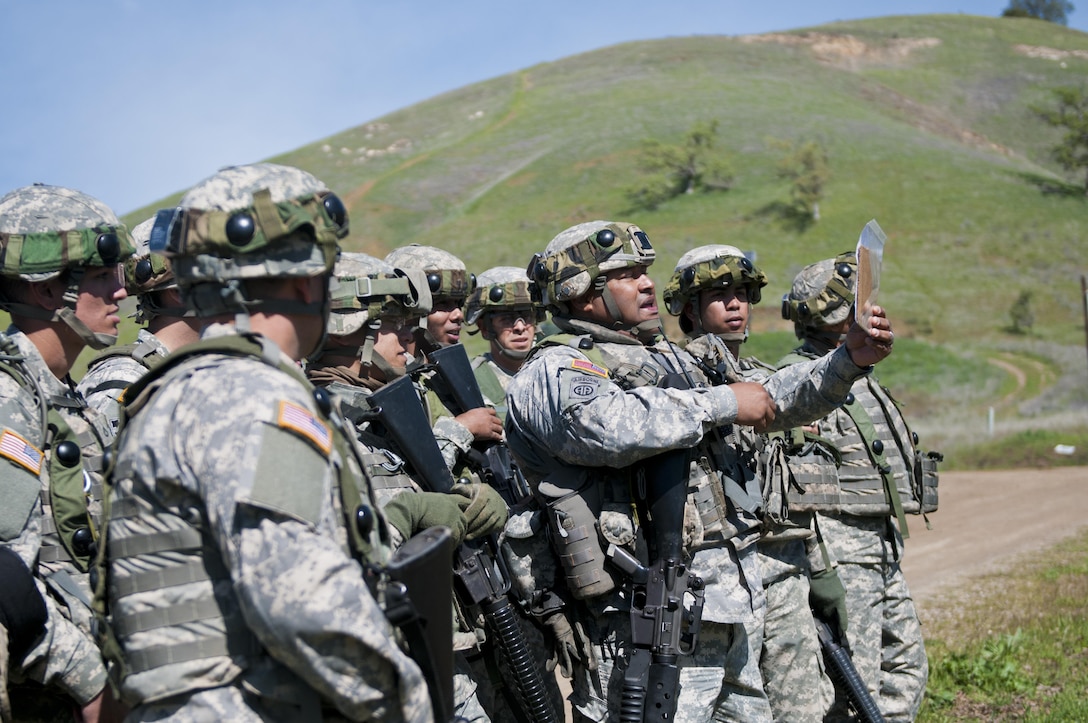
(808, 390)
(268, 484)
(453, 439)
(563, 403)
(65, 657)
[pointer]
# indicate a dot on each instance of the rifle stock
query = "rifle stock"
(458, 389)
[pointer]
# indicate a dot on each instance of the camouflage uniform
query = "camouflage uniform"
(786, 642)
(235, 588)
(112, 370)
(863, 535)
(51, 442)
(582, 405)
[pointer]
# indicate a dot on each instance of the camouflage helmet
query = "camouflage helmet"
(447, 277)
(146, 273)
(577, 259)
(368, 289)
(249, 222)
(822, 293)
(47, 229)
(716, 266)
(503, 288)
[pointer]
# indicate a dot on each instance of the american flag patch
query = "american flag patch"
(20, 451)
(300, 420)
(588, 367)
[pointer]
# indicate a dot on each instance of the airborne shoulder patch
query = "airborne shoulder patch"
(20, 451)
(588, 367)
(300, 420)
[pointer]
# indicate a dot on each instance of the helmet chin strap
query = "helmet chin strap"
(95, 340)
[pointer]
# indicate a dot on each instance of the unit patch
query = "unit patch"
(300, 420)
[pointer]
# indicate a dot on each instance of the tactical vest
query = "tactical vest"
(144, 353)
(881, 472)
(599, 512)
(490, 385)
(70, 488)
(208, 643)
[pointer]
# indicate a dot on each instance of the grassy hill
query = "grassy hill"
(928, 125)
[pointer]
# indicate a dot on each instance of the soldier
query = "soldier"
(865, 534)
(235, 587)
(170, 325)
(450, 284)
(370, 342)
(506, 313)
(712, 291)
(586, 409)
(61, 283)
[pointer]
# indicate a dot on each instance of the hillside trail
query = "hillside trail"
(988, 518)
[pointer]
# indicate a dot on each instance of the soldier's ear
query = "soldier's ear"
(48, 295)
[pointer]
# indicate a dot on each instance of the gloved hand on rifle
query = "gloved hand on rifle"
(484, 509)
(827, 598)
(569, 643)
(412, 512)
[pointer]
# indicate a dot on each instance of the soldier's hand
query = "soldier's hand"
(483, 507)
(755, 408)
(827, 597)
(412, 512)
(570, 644)
(868, 346)
(483, 422)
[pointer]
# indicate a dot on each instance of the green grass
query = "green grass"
(1029, 661)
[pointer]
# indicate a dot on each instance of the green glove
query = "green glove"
(485, 511)
(827, 597)
(411, 512)
(570, 644)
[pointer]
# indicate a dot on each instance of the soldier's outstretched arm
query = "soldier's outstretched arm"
(601, 424)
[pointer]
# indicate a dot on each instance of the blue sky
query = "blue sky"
(131, 100)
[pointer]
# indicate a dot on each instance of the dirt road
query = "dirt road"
(986, 518)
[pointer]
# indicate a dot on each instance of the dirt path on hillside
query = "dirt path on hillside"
(986, 518)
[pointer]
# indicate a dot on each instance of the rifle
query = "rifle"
(481, 579)
(458, 389)
(846, 675)
(421, 609)
(662, 627)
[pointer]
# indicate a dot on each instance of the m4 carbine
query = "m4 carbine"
(663, 625)
(481, 580)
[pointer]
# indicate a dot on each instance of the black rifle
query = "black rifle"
(663, 627)
(846, 675)
(420, 607)
(481, 579)
(457, 388)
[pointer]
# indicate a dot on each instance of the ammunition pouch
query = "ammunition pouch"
(813, 470)
(926, 479)
(583, 519)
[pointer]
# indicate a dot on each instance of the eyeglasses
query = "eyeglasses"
(511, 320)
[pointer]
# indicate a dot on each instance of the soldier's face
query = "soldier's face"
(635, 295)
(512, 330)
(444, 321)
(724, 311)
(395, 342)
(100, 291)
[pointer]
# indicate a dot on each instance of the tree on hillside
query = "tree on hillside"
(672, 170)
(1021, 314)
(1054, 11)
(1071, 115)
(806, 166)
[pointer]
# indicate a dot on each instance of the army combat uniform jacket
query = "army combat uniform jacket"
(232, 589)
(114, 369)
(66, 656)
